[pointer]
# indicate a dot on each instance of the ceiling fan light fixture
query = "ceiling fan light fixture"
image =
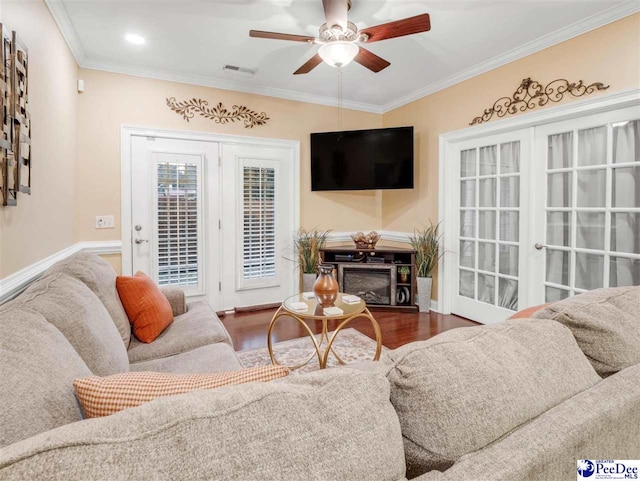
(338, 54)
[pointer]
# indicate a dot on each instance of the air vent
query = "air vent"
(242, 71)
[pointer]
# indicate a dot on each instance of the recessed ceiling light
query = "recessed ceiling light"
(135, 39)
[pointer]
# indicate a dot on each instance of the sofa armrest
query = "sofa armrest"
(602, 422)
(176, 298)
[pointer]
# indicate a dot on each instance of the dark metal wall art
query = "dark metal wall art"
(531, 94)
(218, 114)
(15, 137)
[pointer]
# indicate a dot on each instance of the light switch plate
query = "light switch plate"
(105, 222)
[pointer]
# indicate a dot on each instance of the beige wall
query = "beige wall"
(44, 222)
(113, 100)
(610, 54)
(77, 164)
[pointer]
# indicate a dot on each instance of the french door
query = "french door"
(490, 225)
(258, 223)
(587, 209)
(215, 218)
(543, 213)
(174, 197)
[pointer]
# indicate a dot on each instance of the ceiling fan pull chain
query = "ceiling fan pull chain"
(339, 97)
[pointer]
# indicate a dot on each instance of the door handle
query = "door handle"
(539, 246)
(140, 241)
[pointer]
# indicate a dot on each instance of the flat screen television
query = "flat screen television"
(362, 159)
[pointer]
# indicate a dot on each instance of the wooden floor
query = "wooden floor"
(249, 329)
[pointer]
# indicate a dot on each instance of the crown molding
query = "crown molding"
(65, 25)
(61, 16)
(562, 35)
(226, 84)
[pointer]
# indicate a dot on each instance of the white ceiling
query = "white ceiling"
(190, 41)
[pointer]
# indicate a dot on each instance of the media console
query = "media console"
(375, 275)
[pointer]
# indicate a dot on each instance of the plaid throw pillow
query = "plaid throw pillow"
(102, 396)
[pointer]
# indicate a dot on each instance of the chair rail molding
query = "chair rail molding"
(390, 235)
(14, 284)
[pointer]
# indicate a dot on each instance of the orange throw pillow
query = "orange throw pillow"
(102, 396)
(528, 312)
(148, 309)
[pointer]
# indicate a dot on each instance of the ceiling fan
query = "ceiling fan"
(339, 38)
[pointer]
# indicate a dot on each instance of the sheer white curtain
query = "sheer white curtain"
(559, 186)
(625, 226)
(591, 230)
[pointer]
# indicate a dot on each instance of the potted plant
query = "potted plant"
(403, 272)
(426, 242)
(308, 244)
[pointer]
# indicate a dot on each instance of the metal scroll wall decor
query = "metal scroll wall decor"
(218, 114)
(531, 94)
(15, 137)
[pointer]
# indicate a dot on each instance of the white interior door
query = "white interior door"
(491, 195)
(258, 222)
(174, 197)
(587, 213)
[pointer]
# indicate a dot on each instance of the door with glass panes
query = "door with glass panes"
(174, 184)
(492, 187)
(586, 223)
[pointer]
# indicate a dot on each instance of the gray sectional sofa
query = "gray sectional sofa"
(519, 400)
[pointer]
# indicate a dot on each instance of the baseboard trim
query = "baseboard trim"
(14, 284)
(434, 306)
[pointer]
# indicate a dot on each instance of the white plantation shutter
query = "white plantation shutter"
(259, 263)
(178, 224)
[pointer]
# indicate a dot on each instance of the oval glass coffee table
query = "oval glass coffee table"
(324, 345)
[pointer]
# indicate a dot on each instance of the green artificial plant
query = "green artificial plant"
(308, 245)
(426, 242)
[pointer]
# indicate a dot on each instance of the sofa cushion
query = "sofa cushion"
(38, 366)
(212, 358)
(467, 387)
(197, 327)
(99, 276)
(330, 425)
(71, 307)
(606, 324)
(148, 310)
(103, 396)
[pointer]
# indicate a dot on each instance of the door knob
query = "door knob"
(539, 245)
(138, 227)
(140, 241)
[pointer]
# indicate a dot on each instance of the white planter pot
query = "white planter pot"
(307, 282)
(424, 293)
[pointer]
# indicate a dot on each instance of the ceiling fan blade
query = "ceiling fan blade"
(335, 12)
(309, 65)
(399, 28)
(370, 60)
(280, 36)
